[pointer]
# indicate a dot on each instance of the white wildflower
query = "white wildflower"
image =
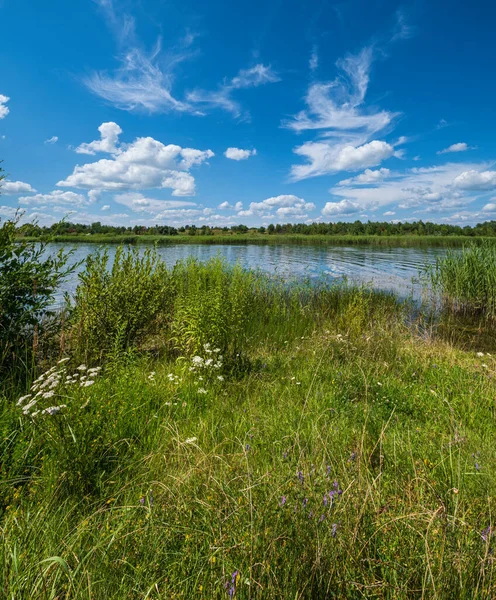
(36, 412)
(220, 378)
(217, 350)
(82, 368)
(207, 349)
(480, 353)
(209, 361)
(63, 360)
(197, 361)
(190, 440)
(218, 365)
(29, 406)
(53, 410)
(49, 394)
(202, 391)
(86, 383)
(22, 398)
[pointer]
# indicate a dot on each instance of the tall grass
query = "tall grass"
(287, 441)
(466, 280)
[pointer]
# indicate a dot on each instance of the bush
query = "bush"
(28, 281)
(116, 309)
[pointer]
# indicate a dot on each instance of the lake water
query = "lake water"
(392, 269)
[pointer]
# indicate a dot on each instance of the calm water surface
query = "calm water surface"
(392, 269)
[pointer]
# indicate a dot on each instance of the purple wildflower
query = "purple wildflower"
(310, 514)
(325, 499)
(247, 447)
(334, 529)
(305, 502)
(285, 454)
(322, 517)
(283, 501)
(142, 500)
(301, 477)
(477, 468)
(328, 470)
(232, 589)
(352, 456)
(486, 533)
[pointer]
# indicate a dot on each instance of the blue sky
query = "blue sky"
(178, 111)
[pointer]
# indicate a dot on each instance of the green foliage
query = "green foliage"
(29, 279)
(116, 308)
(466, 280)
(213, 305)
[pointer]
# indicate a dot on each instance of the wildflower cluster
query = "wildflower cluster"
(52, 383)
(207, 367)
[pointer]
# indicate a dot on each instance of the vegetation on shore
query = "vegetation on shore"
(207, 432)
(242, 239)
(384, 233)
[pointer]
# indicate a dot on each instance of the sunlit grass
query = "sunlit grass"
(315, 447)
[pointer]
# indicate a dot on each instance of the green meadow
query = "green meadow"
(202, 431)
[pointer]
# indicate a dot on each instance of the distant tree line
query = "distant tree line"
(356, 228)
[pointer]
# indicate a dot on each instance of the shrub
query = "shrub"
(114, 309)
(28, 281)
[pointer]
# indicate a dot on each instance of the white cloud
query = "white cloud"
(105, 207)
(139, 203)
(411, 189)
(490, 207)
(335, 107)
(344, 208)
(225, 206)
(238, 206)
(4, 111)
(367, 177)
(280, 206)
(8, 212)
(10, 188)
(239, 154)
(326, 158)
(143, 80)
(109, 138)
(222, 97)
(336, 111)
(476, 180)
(145, 163)
(53, 140)
(459, 147)
(313, 63)
(57, 197)
(94, 195)
(389, 213)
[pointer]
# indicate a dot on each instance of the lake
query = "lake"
(384, 268)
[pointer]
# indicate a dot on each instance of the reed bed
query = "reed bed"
(466, 280)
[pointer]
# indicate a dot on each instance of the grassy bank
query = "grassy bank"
(245, 439)
(338, 240)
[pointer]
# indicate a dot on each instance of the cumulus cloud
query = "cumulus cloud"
(238, 206)
(139, 203)
(222, 97)
(459, 147)
(53, 140)
(105, 207)
(4, 110)
(239, 154)
(283, 206)
(414, 188)
(57, 197)
(10, 188)
(109, 138)
(476, 180)
(225, 206)
(326, 158)
(145, 163)
(367, 177)
(389, 213)
(344, 208)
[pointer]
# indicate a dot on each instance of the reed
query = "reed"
(466, 280)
